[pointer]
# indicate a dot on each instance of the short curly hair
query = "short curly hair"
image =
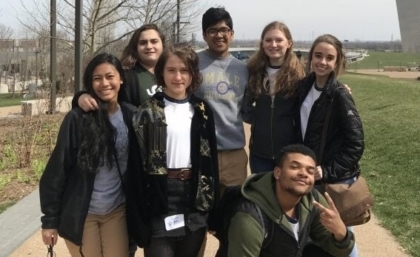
(294, 148)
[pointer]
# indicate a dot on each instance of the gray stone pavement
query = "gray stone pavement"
(18, 223)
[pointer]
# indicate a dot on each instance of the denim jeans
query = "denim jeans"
(183, 246)
(259, 164)
(132, 248)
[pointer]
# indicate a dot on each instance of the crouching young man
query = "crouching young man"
(290, 212)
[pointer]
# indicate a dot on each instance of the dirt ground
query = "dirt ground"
(23, 140)
(14, 190)
(391, 74)
(10, 111)
(372, 241)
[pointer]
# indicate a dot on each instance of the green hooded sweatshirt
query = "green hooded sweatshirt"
(245, 234)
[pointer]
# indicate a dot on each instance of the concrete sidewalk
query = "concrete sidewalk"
(18, 223)
(20, 235)
(10, 111)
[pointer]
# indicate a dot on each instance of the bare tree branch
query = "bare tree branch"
(106, 24)
(5, 32)
(114, 40)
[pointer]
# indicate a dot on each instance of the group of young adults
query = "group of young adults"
(147, 151)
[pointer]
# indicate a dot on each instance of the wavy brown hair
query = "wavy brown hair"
(341, 57)
(188, 56)
(130, 55)
(291, 71)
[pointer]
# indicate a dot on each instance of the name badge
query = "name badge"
(174, 222)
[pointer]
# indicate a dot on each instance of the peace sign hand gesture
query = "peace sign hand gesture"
(331, 220)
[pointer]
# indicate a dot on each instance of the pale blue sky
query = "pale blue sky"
(346, 19)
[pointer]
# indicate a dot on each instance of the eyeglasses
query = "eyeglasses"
(223, 31)
(50, 252)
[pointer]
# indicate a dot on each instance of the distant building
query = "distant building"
(409, 19)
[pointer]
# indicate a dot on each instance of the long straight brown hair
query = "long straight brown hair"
(291, 71)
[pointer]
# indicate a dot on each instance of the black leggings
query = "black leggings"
(184, 246)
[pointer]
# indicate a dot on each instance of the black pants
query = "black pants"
(312, 250)
(185, 246)
(132, 248)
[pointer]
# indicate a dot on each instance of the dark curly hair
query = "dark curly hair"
(188, 56)
(98, 141)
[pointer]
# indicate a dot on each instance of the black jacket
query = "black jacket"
(65, 191)
(273, 123)
(344, 141)
(150, 128)
(132, 88)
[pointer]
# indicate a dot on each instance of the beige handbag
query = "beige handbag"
(353, 201)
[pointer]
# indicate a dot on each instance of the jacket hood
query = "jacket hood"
(260, 189)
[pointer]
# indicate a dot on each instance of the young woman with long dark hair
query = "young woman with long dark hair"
(83, 191)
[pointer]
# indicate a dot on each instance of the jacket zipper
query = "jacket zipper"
(292, 235)
(271, 130)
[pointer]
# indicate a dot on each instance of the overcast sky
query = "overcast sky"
(347, 19)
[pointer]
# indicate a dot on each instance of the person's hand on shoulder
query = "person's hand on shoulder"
(330, 218)
(318, 173)
(87, 103)
(347, 88)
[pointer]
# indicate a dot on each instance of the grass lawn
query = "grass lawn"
(390, 112)
(9, 100)
(377, 60)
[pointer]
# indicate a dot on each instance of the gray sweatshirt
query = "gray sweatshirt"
(223, 87)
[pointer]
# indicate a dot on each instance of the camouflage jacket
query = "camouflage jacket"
(150, 129)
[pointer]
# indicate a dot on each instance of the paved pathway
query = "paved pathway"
(10, 111)
(20, 235)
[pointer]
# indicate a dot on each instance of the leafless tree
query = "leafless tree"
(106, 22)
(5, 32)
(107, 26)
